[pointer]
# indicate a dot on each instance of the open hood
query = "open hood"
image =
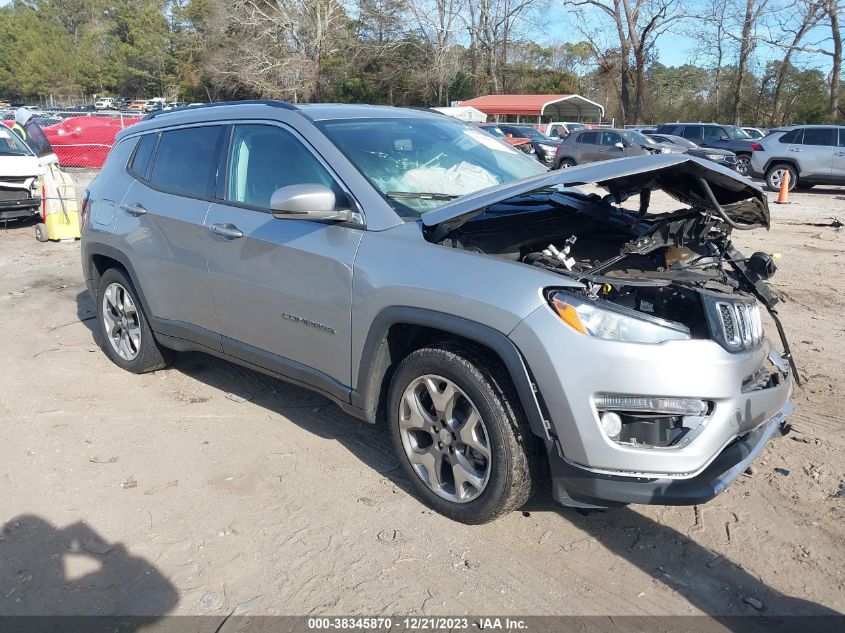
(700, 184)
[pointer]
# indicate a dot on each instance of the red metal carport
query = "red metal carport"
(555, 107)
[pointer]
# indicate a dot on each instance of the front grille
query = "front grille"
(7, 195)
(738, 324)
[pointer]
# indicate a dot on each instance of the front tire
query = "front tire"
(127, 338)
(460, 433)
(41, 232)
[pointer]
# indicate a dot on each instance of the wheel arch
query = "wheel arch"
(398, 331)
(781, 161)
(99, 258)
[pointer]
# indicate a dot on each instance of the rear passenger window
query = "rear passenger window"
(842, 137)
(588, 138)
(186, 161)
(692, 132)
(820, 136)
(143, 152)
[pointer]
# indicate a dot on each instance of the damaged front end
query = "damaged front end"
(666, 405)
(678, 270)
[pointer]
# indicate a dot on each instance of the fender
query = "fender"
(376, 359)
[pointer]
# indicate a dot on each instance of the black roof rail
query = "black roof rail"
(273, 103)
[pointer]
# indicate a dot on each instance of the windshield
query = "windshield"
(736, 132)
(11, 144)
(635, 138)
(420, 164)
(533, 133)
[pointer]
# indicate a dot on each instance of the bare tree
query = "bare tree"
(492, 25)
(435, 24)
(752, 12)
(638, 25)
(281, 45)
(832, 8)
(809, 13)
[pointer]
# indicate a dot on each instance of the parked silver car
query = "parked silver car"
(419, 272)
(811, 154)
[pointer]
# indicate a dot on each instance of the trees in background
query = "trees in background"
(768, 62)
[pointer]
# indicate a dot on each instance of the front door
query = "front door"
(282, 289)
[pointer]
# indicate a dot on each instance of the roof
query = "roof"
(559, 107)
(464, 113)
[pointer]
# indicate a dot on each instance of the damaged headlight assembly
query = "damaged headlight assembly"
(610, 322)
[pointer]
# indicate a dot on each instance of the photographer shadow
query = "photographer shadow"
(48, 571)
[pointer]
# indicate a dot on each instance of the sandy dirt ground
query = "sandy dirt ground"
(207, 486)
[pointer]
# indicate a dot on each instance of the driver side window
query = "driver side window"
(264, 158)
(610, 138)
(714, 133)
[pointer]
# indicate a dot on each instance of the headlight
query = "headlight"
(716, 157)
(549, 149)
(607, 321)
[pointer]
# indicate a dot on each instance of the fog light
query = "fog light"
(651, 404)
(612, 424)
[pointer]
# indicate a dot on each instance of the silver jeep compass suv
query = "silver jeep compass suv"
(418, 271)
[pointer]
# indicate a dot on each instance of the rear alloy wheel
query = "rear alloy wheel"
(460, 434)
(127, 338)
(566, 163)
(743, 162)
(775, 176)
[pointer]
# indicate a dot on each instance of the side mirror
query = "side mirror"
(619, 145)
(306, 202)
(724, 139)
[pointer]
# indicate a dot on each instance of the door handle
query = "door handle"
(229, 231)
(136, 209)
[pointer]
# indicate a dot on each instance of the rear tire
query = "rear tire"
(460, 433)
(127, 338)
(566, 163)
(41, 232)
(775, 173)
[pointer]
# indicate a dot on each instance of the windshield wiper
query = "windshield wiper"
(417, 195)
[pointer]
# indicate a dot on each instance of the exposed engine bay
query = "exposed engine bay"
(679, 267)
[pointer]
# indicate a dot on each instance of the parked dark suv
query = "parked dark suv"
(729, 137)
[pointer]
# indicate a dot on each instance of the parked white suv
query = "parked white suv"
(104, 103)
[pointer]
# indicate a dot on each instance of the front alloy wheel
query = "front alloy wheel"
(460, 434)
(444, 438)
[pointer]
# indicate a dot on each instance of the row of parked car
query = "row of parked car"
(810, 154)
(156, 104)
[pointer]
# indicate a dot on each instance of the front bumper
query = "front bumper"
(23, 207)
(577, 487)
(570, 368)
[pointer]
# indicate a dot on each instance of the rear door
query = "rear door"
(692, 133)
(586, 148)
(816, 152)
(160, 222)
(282, 288)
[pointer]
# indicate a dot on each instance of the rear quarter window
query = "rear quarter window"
(139, 164)
(793, 136)
(820, 136)
(186, 161)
